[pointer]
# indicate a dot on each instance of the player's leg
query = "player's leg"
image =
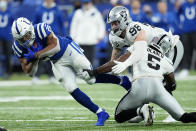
(175, 55)
(162, 98)
(169, 103)
(68, 80)
(80, 62)
(130, 105)
(119, 80)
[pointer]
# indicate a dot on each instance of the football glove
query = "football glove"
(119, 67)
(30, 56)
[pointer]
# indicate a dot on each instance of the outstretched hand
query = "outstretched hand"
(119, 67)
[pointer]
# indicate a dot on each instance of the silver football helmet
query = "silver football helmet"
(164, 44)
(23, 31)
(119, 18)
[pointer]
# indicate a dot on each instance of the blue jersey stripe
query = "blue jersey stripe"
(77, 45)
(42, 35)
(16, 51)
(76, 48)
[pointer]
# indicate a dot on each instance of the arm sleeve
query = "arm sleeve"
(43, 30)
(137, 52)
(18, 50)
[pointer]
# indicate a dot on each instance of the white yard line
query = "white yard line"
(11, 83)
(44, 120)
(67, 98)
(64, 98)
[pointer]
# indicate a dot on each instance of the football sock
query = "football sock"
(107, 78)
(188, 117)
(84, 100)
(120, 80)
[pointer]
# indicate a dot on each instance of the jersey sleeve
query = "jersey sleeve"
(43, 30)
(116, 41)
(130, 49)
(132, 31)
(19, 51)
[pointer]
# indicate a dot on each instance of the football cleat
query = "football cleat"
(169, 119)
(125, 82)
(102, 117)
(147, 113)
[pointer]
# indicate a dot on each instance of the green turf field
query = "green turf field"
(51, 108)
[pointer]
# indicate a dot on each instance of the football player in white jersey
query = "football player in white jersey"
(148, 87)
(124, 32)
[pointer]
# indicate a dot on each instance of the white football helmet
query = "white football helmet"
(23, 32)
(121, 15)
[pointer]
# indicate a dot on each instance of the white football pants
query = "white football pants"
(72, 62)
(145, 90)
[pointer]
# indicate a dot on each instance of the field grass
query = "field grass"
(51, 108)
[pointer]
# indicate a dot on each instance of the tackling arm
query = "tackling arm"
(107, 67)
(115, 53)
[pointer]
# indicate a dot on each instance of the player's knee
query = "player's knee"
(118, 119)
(69, 87)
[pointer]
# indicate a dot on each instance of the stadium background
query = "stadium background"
(149, 13)
(45, 106)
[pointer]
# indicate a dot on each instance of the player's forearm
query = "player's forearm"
(27, 67)
(108, 66)
(137, 54)
(115, 54)
(52, 48)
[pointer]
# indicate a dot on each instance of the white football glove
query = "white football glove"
(119, 67)
(83, 75)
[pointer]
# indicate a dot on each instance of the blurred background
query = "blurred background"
(85, 21)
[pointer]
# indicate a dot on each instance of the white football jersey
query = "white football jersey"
(153, 64)
(153, 34)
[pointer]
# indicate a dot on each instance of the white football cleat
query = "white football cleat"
(169, 119)
(147, 112)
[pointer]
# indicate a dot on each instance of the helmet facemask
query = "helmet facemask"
(27, 40)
